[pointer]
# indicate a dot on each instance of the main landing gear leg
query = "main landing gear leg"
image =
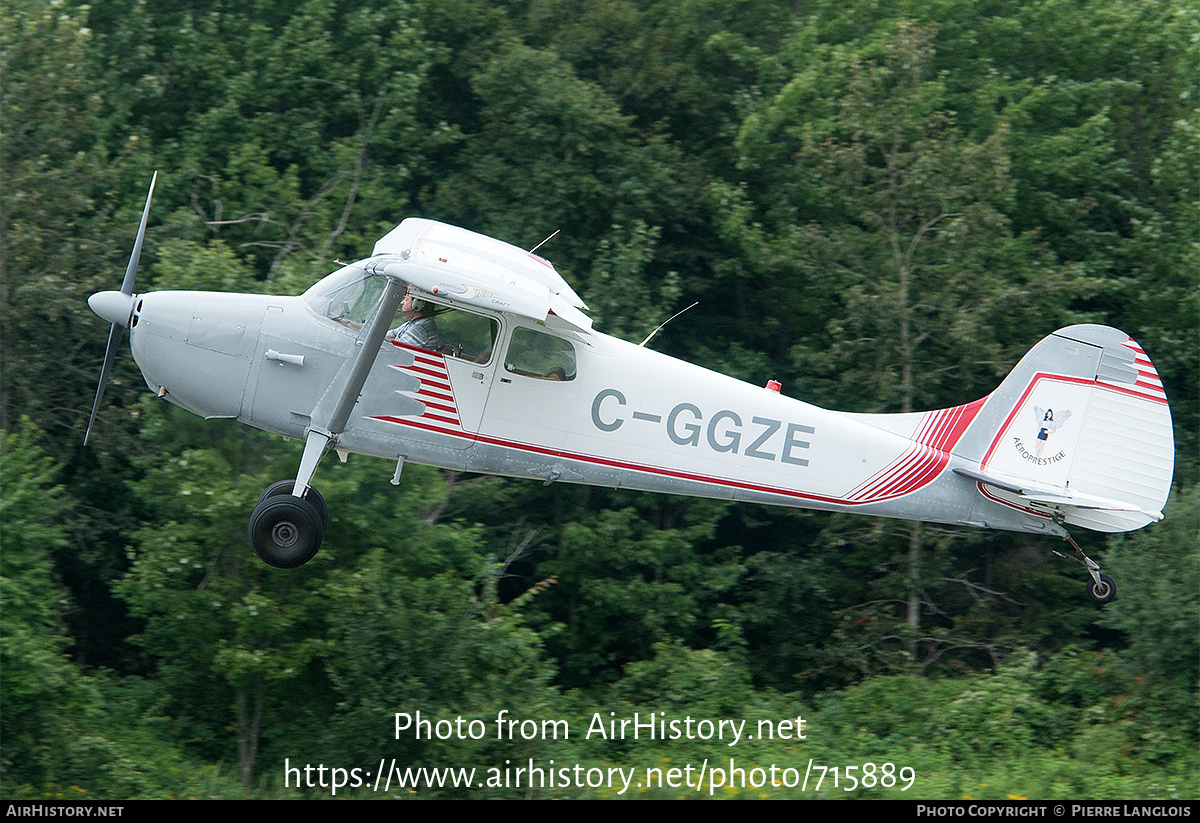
(289, 520)
(287, 526)
(1101, 589)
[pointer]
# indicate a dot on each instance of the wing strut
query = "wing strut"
(333, 409)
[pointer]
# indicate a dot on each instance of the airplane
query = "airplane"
(508, 377)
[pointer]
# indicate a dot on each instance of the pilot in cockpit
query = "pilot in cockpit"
(419, 328)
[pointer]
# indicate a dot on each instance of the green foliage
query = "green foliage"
(36, 676)
(184, 264)
(67, 734)
(1025, 731)
(929, 277)
(1158, 605)
(618, 285)
(420, 644)
(635, 583)
(61, 178)
(881, 207)
(681, 680)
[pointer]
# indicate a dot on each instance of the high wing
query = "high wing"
(476, 270)
(456, 265)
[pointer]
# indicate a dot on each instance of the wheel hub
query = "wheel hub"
(284, 534)
(286, 531)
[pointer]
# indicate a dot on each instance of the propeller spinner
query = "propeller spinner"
(116, 307)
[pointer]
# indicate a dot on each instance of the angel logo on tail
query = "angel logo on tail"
(1047, 425)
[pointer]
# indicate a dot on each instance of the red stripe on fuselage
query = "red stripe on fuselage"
(937, 434)
(921, 476)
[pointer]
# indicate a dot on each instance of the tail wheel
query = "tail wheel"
(312, 496)
(1103, 592)
(285, 531)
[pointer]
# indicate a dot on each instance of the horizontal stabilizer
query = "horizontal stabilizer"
(1055, 498)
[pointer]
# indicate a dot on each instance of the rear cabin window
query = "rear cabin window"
(535, 354)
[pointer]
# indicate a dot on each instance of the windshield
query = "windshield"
(346, 296)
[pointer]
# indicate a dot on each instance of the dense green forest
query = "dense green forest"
(881, 205)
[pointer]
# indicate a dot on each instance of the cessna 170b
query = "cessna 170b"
(506, 376)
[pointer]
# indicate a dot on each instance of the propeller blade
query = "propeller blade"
(103, 307)
(131, 269)
(110, 354)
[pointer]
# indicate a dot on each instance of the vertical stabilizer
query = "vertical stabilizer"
(1080, 428)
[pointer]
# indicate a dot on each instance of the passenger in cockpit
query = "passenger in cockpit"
(419, 328)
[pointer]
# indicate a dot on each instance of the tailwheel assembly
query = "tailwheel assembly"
(1104, 591)
(1101, 588)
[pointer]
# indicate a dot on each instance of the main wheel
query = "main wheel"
(312, 496)
(1104, 592)
(285, 531)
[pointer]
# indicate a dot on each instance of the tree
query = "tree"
(1158, 605)
(60, 174)
(896, 283)
(63, 726)
(619, 297)
(230, 638)
(929, 266)
(37, 681)
(554, 152)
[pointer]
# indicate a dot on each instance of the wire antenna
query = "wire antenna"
(544, 242)
(665, 322)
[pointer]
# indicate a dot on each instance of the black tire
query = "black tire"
(1103, 593)
(312, 496)
(285, 531)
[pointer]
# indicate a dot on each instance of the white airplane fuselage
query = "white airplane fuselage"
(630, 417)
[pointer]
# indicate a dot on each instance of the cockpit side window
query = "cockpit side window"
(536, 354)
(350, 295)
(466, 335)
